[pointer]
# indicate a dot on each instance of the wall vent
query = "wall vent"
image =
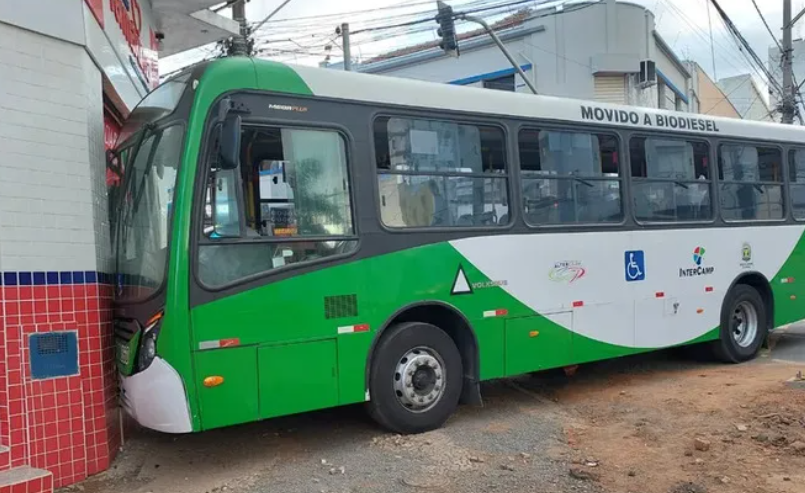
(341, 306)
(53, 354)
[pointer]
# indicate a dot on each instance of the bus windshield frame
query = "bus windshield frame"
(150, 149)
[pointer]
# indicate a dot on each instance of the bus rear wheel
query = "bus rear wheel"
(415, 378)
(743, 325)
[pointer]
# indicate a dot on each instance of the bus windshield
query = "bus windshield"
(144, 210)
(148, 154)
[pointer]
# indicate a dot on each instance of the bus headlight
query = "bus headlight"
(148, 343)
(148, 351)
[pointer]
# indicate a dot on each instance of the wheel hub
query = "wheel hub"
(745, 324)
(419, 379)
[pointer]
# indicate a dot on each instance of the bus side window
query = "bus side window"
(570, 178)
(294, 196)
(796, 174)
(221, 219)
(440, 174)
(751, 183)
(670, 180)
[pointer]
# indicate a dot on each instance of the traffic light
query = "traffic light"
(447, 29)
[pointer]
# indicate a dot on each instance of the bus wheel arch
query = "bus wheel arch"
(456, 325)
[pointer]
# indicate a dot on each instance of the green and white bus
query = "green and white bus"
(293, 238)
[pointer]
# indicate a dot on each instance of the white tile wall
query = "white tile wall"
(95, 186)
(51, 154)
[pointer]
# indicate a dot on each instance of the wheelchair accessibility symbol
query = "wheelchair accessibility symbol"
(634, 264)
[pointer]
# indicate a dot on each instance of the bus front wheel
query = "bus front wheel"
(743, 325)
(415, 378)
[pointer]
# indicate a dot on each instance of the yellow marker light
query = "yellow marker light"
(155, 318)
(793, 296)
(533, 333)
(213, 381)
(700, 310)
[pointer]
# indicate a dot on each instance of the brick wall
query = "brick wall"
(54, 247)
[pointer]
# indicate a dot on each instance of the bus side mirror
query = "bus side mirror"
(230, 142)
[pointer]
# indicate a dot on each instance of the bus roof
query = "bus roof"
(379, 89)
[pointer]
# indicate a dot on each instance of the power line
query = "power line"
(747, 48)
(771, 33)
(712, 47)
(499, 6)
(725, 53)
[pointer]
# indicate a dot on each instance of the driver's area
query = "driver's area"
(286, 203)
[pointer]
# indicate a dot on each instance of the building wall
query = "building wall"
(470, 63)
(55, 257)
(712, 99)
(747, 98)
(617, 36)
(50, 145)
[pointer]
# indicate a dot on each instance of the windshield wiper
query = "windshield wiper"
(136, 150)
(147, 171)
(681, 185)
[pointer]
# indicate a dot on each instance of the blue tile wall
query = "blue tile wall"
(30, 278)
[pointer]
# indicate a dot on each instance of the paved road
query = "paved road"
(790, 344)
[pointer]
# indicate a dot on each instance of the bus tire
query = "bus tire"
(743, 325)
(415, 378)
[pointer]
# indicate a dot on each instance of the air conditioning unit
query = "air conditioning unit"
(648, 73)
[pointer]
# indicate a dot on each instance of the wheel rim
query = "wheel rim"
(744, 324)
(419, 380)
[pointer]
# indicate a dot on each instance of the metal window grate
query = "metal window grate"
(341, 306)
(51, 344)
(54, 354)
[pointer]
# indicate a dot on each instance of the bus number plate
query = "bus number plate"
(123, 354)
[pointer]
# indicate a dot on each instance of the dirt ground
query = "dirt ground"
(647, 424)
(714, 429)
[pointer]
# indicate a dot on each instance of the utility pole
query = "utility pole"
(240, 42)
(345, 46)
(789, 102)
(789, 106)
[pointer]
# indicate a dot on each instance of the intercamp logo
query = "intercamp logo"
(699, 270)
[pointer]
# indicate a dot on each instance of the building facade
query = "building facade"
(747, 98)
(70, 72)
(706, 96)
(604, 64)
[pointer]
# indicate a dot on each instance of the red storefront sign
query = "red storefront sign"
(129, 17)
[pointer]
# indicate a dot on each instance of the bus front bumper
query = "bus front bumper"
(156, 398)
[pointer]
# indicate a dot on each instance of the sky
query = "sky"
(290, 37)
